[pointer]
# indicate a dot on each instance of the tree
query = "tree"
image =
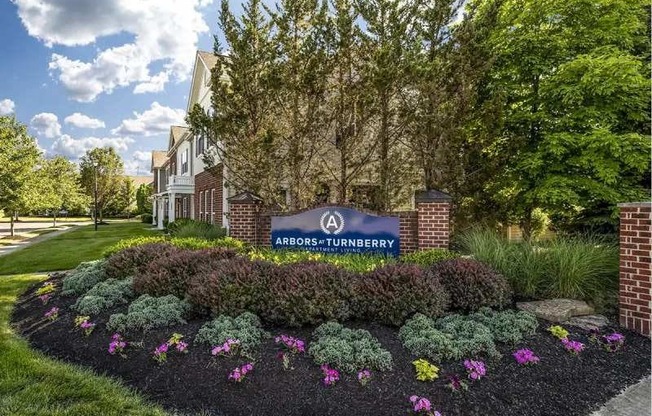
(576, 106)
(124, 199)
(18, 157)
(101, 168)
(242, 127)
(53, 186)
(143, 194)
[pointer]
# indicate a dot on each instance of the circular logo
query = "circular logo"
(331, 222)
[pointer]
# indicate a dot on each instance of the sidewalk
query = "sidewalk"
(4, 250)
(633, 401)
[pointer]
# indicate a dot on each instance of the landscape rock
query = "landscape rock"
(588, 322)
(556, 310)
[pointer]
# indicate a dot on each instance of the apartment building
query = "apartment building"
(183, 186)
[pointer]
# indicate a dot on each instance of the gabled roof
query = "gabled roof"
(203, 61)
(209, 58)
(158, 158)
(176, 133)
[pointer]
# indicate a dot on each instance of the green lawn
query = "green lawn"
(32, 384)
(66, 251)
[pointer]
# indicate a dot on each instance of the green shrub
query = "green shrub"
(84, 277)
(134, 260)
(472, 284)
(146, 218)
(348, 350)
(186, 227)
(104, 295)
(246, 328)
(147, 313)
(427, 258)
(353, 262)
(308, 293)
(186, 242)
(566, 267)
(506, 326)
(453, 338)
(392, 293)
(231, 286)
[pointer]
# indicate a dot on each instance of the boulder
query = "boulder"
(588, 322)
(556, 310)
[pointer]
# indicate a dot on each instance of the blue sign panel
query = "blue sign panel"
(336, 230)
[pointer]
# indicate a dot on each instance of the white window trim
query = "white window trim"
(213, 206)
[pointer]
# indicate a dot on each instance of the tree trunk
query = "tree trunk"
(526, 224)
(54, 219)
(11, 226)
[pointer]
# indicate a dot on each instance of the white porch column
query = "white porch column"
(172, 207)
(154, 211)
(160, 206)
(192, 207)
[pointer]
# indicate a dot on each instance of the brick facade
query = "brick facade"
(427, 227)
(635, 288)
(208, 196)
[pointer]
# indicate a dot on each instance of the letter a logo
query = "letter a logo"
(331, 223)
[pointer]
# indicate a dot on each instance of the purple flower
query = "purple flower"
(422, 405)
(525, 357)
(182, 346)
(295, 345)
(45, 298)
(117, 344)
(229, 346)
(574, 347)
(52, 314)
(455, 383)
(475, 369)
(613, 342)
(238, 373)
(364, 376)
(331, 375)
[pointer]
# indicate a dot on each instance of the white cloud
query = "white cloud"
(46, 124)
(139, 164)
(75, 148)
(156, 120)
(142, 156)
(83, 121)
(164, 31)
(7, 107)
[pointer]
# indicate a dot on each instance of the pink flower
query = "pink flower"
(182, 346)
(45, 298)
(525, 357)
(331, 375)
(117, 344)
(295, 345)
(364, 376)
(475, 369)
(52, 314)
(239, 373)
(228, 346)
(423, 405)
(574, 347)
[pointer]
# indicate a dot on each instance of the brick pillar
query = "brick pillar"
(433, 219)
(243, 214)
(635, 286)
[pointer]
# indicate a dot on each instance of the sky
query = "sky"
(88, 73)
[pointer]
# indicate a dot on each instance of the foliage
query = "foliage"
(507, 326)
(308, 293)
(185, 243)
(187, 228)
(425, 370)
(122, 203)
(105, 295)
(102, 167)
(393, 293)
(472, 284)
(132, 242)
(245, 328)
(169, 274)
(46, 288)
(354, 262)
(565, 267)
(84, 277)
(146, 218)
(143, 205)
(231, 286)
(147, 313)
(349, 350)
(18, 156)
(429, 257)
(135, 260)
(558, 331)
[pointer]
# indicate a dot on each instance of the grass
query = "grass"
(32, 384)
(67, 250)
(570, 267)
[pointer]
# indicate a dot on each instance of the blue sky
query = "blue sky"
(83, 73)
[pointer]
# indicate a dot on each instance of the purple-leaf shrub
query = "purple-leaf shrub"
(134, 260)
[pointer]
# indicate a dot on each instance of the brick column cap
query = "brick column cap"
(245, 198)
(431, 195)
(635, 204)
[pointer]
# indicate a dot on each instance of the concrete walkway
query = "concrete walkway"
(19, 245)
(633, 401)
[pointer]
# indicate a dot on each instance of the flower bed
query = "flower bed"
(559, 383)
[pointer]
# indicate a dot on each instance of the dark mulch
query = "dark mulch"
(560, 384)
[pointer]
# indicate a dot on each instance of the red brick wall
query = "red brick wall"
(635, 291)
(433, 222)
(206, 181)
(242, 222)
(408, 231)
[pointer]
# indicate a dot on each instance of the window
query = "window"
(213, 206)
(184, 162)
(201, 208)
(199, 145)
